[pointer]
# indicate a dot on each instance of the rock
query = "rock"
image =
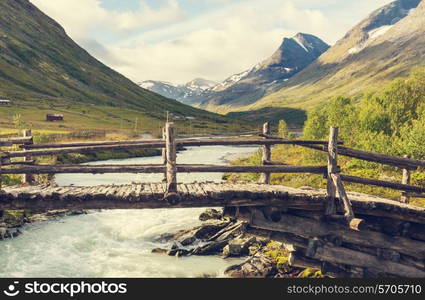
(178, 252)
(3, 232)
(76, 212)
(182, 252)
(211, 214)
(186, 237)
(165, 237)
(187, 240)
(172, 252)
(258, 266)
(254, 248)
(230, 231)
(211, 248)
(159, 251)
(209, 228)
(238, 247)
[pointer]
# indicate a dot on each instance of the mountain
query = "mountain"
(41, 68)
(386, 45)
(293, 55)
(186, 93)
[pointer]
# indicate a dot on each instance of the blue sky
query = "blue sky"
(179, 40)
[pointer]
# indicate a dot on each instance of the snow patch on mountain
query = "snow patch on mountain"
(299, 42)
(374, 33)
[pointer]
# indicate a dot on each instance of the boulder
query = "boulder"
(238, 247)
(258, 266)
(178, 252)
(209, 228)
(210, 248)
(211, 214)
(159, 251)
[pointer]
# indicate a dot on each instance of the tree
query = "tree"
(316, 125)
(283, 129)
(17, 121)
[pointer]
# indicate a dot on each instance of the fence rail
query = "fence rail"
(170, 168)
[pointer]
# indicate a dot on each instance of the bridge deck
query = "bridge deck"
(151, 195)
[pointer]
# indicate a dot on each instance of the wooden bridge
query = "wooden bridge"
(320, 217)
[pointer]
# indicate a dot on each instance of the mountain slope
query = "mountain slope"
(41, 65)
(385, 45)
(186, 93)
(293, 55)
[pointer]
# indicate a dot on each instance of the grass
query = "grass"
(42, 70)
(78, 117)
(294, 155)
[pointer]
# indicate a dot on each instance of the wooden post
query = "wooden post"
(334, 179)
(1, 177)
(332, 169)
(405, 198)
(266, 155)
(171, 160)
(27, 178)
(164, 154)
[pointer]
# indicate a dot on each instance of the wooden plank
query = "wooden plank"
(416, 195)
(102, 169)
(250, 169)
(266, 155)
(390, 160)
(171, 159)
(7, 142)
(92, 169)
(332, 169)
(342, 255)
(160, 144)
(88, 144)
(404, 198)
(310, 228)
(387, 184)
(28, 177)
(164, 154)
(348, 210)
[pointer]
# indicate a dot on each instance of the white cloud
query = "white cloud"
(163, 44)
(81, 17)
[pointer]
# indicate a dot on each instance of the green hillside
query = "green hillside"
(42, 71)
(384, 46)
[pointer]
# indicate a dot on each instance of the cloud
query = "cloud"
(218, 44)
(82, 17)
(173, 43)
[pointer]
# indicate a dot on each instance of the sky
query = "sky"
(180, 40)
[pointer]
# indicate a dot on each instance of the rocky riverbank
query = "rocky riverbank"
(12, 221)
(228, 237)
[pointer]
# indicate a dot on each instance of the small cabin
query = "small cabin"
(54, 117)
(5, 102)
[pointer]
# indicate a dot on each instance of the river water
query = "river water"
(116, 243)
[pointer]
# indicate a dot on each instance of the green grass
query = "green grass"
(78, 117)
(43, 71)
(294, 155)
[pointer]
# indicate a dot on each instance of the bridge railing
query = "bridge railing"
(405, 163)
(169, 166)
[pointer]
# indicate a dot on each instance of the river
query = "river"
(116, 243)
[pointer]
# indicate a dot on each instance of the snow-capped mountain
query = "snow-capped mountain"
(386, 44)
(185, 93)
(293, 55)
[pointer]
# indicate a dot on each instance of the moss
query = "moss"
(279, 254)
(311, 273)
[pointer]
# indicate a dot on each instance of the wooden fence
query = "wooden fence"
(170, 168)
